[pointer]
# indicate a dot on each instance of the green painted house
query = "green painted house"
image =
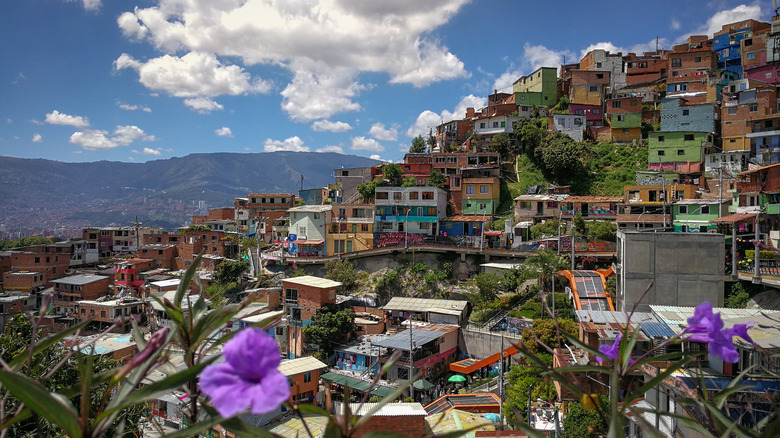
(626, 120)
(695, 215)
(676, 147)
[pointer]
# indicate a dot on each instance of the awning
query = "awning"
(309, 242)
(492, 233)
(734, 218)
(357, 384)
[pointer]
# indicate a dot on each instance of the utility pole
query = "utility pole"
(663, 200)
(572, 246)
(530, 417)
(501, 384)
(720, 190)
(411, 359)
(757, 257)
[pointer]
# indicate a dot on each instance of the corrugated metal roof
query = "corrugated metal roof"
(401, 341)
(301, 365)
(309, 280)
(389, 409)
(423, 304)
(656, 329)
(80, 279)
(594, 199)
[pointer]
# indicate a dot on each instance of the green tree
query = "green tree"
(330, 328)
(545, 331)
(409, 181)
(431, 141)
(488, 286)
(582, 424)
(229, 271)
(504, 145)
(530, 132)
(367, 190)
(738, 297)
(15, 340)
(519, 379)
(342, 271)
(436, 179)
(561, 158)
(548, 228)
(543, 264)
(393, 174)
(24, 241)
(418, 145)
(602, 230)
(580, 225)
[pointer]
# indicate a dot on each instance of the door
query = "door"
(349, 246)
(540, 208)
(400, 227)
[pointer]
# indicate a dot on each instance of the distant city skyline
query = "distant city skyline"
(91, 80)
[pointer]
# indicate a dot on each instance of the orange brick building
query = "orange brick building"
(303, 297)
(69, 290)
(23, 281)
(691, 66)
(52, 261)
(304, 374)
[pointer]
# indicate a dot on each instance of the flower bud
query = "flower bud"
(45, 303)
(156, 341)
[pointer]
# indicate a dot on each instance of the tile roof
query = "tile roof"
(309, 280)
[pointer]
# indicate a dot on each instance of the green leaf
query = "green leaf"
(312, 409)
(156, 389)
(211, 322)
(54, 408)
(186, 279)
(45, 343)
(655, 381)
(138, 337)
(195, 429)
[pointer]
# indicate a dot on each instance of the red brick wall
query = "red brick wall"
(42, 259)
(411, 426)
(25, 282)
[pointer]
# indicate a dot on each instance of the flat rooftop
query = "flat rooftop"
(312, 281)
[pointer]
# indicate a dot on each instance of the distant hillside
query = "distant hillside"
(98, 188)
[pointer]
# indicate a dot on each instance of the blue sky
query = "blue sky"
(90, 80)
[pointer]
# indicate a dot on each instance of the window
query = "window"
(596, 111)
(291, 295)
(616, 104)
(633, 103)
(593, 88)
(676, 62)
(379, 195)
(364, 228)
(578, 112)
(680, 152)
(302, 230)
(686, 112)
(705, 209)
(598, 65)
(751, 55)
(455, 182)
(483, 189)
(768, 124)
(661, 153)
(621, 117)
(483, 206)
(469, 189)
(419, 181)
(503, 124)
(732, 110)
(525, 205)
(102, 313)
(397, 196)
(697, 59)
(661, 138)
(689, 137)
(37, 260)
(482, 125)
(625, 130)
(414, 195)
(753, 107)
(683, 209)
(306, 377)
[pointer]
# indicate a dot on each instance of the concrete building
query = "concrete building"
(409, 210)
(667, 148)
(695, 215)
(602, 60)
(685, 269)
(308, 224)
(351, 230)
(589, 87)
(105, 313)
(570, 124)
(480, 195)
(126, 275)
(540, 88)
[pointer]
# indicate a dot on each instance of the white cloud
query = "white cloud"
(92, 5)
(366, 144)
(95, 140)
(376, 157)
(605, 45)
(57, 118)
(9, 121)
(292, 144)
(127, 107)
(203, 105)
(154, 152)
(327, 125)
(247, 149)
(429, 120)
(721, 18)
(196, 76)
(37, 138)
(379, 132)
(540, 56)
(675, 24)
(336, 149)
(319, 95)
(224, 132)
(326, 44)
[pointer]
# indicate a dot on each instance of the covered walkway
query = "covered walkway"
(588, 289)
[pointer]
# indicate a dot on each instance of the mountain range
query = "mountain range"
(46, 194)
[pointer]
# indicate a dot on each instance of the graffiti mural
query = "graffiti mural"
(385, 240)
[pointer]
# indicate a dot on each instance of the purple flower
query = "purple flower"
(707, 327)
(249, 377)
(610, 351)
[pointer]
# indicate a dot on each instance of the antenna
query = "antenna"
(774, 6)
(301, 182)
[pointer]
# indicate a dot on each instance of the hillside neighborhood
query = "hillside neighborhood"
(611, 195)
